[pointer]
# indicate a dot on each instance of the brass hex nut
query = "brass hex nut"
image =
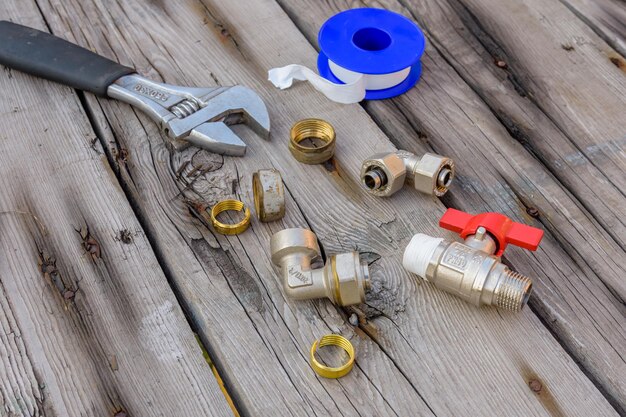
(394, 169)
(269, 195)
(433, 174)
(349, 277)
(312, 129)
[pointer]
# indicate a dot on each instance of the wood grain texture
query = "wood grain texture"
(607, 18)
(88, 323)
(418, 348)
(444, 115)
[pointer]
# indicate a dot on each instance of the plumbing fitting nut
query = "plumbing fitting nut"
(269, 195)
(385, 173)
(312, 129)
(343, 279)
(230, 229)
(327, 371)
(473, 270)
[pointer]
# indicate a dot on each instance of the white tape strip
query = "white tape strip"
(418, 253)
(352, 91)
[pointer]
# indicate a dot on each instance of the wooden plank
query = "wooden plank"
(447, 116)
(607, 18)
(260, 343)
(587, 100)
(88, 323)
(432, 367)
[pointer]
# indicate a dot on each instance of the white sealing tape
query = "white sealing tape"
(418, 253)
(352, 91)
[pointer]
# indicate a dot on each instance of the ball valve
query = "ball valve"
(473, 270)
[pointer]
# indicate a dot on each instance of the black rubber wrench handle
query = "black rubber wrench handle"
(43, 55)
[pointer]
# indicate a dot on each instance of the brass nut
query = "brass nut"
(269, 195)
(349, 278)
(327, 371)
(433, 174)
(312, 129)
(230, 229)
(383, 174)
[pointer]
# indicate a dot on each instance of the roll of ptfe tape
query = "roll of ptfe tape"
(365, 53)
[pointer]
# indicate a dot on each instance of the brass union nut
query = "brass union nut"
(432, 174)
(349, 277)
(383, 174)
(312, 129)
(269, 195)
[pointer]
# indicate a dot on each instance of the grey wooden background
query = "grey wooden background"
(107, 269)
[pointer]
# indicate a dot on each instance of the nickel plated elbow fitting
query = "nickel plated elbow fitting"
(343, 279)
(385, 173)
(473, 270)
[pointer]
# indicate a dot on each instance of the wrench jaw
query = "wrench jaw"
(196, 116)
(217, 137)
(245, 102)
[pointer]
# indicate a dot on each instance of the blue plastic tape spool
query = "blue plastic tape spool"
(372, 41)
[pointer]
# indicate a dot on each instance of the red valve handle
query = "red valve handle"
(499, 226)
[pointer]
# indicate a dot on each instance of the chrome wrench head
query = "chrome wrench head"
(196, 116)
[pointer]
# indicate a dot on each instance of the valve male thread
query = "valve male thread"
(513, 290)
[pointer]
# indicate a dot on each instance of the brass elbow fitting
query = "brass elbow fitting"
(385, 173)
(473, 270)
(343, 279)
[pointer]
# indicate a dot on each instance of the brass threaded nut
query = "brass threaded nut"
(230, 229)
(327, 371)
(513, 291)
(312, 129)
(269, 195)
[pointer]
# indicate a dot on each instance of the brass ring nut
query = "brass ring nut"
(312, 129)
(327, 371)
(230, 229)
(269, 195)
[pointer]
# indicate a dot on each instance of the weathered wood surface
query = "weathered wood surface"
(506, 177)
(417, 347)
(607, 18)
(89, 325)
(237, 302)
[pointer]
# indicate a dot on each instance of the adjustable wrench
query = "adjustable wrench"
(189, 116)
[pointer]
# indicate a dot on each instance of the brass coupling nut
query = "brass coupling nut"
(313, 129)
(343, 279)
(472, 270)
(269, 195)
(230, 229)
(327, 371)
(385, 173)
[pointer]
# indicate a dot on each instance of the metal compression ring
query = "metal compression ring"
(330, 372)
(312, 129)
(230, 229)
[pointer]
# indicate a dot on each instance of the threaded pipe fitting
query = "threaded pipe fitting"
(343, 279)
(513, 290)
(384, 174)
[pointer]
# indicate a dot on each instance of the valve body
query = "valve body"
(467, 272)
(472, 270)
(343, 279)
